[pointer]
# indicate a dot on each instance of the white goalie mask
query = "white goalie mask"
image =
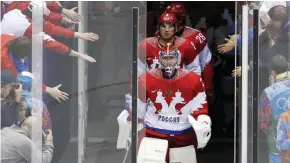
(169, 59)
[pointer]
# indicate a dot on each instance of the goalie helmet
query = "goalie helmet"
(170, 58)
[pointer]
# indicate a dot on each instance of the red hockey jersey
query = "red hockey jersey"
(165, 104)
(200, 42)
(204, 55)
(149, 49)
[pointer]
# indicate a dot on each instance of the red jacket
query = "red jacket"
(14, 22)
(54, 16)
(6, 62)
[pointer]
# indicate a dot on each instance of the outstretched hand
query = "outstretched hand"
(82, 56)
(87, 58)
(228, 46)
(89, 36)
(237, 72)
(66, 21)
(71, 14)
(57, 94)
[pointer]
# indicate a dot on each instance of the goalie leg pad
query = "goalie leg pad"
(152, 150)
(182, 154)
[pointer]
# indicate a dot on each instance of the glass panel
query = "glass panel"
(245, 85)
(238, 80)
(108, 82)
(94, 124)
(36, 89)
(85, 126)
(267, 82)
(21, 89)
(273, 87)
(221, 145)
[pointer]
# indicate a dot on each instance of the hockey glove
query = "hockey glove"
(202, 127)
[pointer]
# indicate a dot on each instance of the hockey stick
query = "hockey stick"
(128, 149)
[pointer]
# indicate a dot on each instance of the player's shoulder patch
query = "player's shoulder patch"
(179, 41)
(152, 41)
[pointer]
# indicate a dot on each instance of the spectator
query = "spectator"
(17, 146)
(270, 106)
(11, 21)
(10, 96)
(270, 12)
(7, 81)
(26, 78)
(56, 16)
(15, 56)
(273, 39)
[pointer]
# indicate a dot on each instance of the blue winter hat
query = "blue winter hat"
(26, 79)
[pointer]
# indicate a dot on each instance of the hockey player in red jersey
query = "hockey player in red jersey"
(150, 47)
(200, 42)
(172, 103)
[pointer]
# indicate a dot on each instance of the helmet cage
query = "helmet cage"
(169, 60)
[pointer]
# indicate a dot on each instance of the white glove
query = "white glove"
(202, 128)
